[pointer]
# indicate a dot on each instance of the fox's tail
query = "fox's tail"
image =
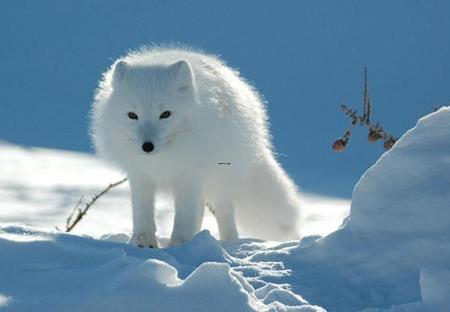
(270, 206)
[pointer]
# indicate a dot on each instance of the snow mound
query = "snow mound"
(51, 271)
(387, 253)
(407, 190)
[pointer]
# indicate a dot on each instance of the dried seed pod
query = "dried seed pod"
(374, 135)
(339, 145)
(388, 143)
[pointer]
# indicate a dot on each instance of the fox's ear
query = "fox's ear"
(120, 71)
(182, 74)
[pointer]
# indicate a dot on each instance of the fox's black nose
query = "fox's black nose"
(148, 147)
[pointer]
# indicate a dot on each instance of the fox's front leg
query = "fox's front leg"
(224, 213)
(143, 209)
(189, 208)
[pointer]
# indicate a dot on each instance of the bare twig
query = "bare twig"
(376, 132)
(78, 213)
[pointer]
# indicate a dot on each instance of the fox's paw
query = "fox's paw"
(143, 240)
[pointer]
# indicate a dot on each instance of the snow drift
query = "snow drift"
(388, 251)
(44, 271)
(408, 189)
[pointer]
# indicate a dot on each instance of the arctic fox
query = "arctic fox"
(182, 122)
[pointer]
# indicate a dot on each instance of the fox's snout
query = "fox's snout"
(148, 147)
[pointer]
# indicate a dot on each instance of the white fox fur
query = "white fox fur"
(214, 149)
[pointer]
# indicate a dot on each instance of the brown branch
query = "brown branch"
(78, 213)
(366, 99)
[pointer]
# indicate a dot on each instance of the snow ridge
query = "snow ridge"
(51, 271)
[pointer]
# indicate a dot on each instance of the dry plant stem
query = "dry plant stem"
(366, 99)
(376, 132)
(78, 213)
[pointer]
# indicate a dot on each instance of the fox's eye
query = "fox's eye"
(165, 115)
(132, 115)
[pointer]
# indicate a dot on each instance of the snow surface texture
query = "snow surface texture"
(59, 272)
(391, 254)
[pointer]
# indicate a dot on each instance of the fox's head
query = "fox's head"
(147, 109)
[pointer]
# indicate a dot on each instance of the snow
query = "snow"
(413, 182)
(397, 232)
(390, 254)
(52, 271)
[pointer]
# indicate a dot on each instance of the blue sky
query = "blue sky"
(305, 57)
